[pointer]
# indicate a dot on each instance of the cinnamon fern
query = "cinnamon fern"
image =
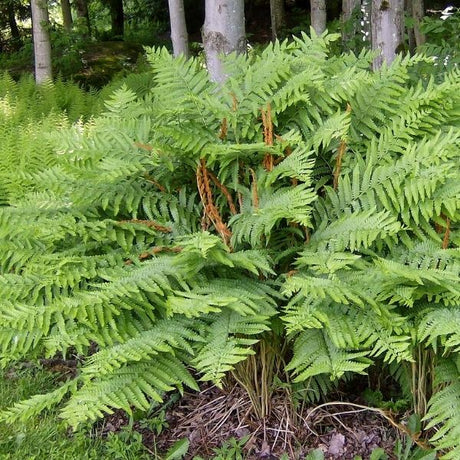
(169, 234)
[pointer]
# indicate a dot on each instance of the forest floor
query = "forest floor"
(212, 417)
(218, 424)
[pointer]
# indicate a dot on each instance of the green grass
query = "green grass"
(44, 437)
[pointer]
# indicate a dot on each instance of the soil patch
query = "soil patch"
(209, 418)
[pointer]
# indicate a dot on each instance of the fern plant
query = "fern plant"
(306, 197)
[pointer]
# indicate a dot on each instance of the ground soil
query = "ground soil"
(211, 417)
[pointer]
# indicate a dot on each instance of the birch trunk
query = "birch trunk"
(278, 17)
(179, 35)
(223, 33)
(318, 15)
(41, 38)
(66, 15)
(387, 23)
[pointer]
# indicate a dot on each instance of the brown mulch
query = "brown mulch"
(209, 418)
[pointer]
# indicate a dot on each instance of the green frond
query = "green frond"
(28, 408)
(125, 387)
(257, 222)
(444, 408)
(229, 340)
(315, 354)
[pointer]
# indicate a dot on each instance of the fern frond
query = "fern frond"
(314, 354)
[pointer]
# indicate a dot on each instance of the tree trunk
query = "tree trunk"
(82, 12)
(15, 34)
(66, 15)
(179, 35)
(410, 35)
(278, 17)
(387, 22)
(41, 38)
(318, 15)
(223, 33)
(350, 21)
(417, 13)
(117, 18)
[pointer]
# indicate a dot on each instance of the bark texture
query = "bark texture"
(15, 34)
(67, 20)
(83, 14)
(117, 18)
(278, 17)
(318, 15)
(223, 33)
(349, 8)
(41, 38)
(417, 13)
(179, 35)
(387, 22)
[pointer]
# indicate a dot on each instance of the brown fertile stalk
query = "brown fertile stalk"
(445, 241)
(157, 250)
(223, 129)
(234, 102)
(225, 191)
(255, 196)
(154, 251)
(210, 209)
(148, 223)
(147, 147)
(154, 182)
(268, 135)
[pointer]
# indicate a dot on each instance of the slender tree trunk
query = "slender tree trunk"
(349, 9)
(409, 30)
(417, 13)
(41, 38)
(387, 22)
(82, 12)
(223, 33)
(179, 35)
(318, 15)
(15, 34)
(66, 15)
(278, 17)
(117, 18)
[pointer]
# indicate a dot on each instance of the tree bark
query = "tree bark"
(278, 17)
(67, 20)
(117, 18)
(417, 13)
(41, 38)
(82, 12)
(223, 33)
(15, 34)
(349, 8)
(179, 35)
(387, 22)
(318, 15)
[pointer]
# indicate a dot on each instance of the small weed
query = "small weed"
(232, 449)
(125, 445)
